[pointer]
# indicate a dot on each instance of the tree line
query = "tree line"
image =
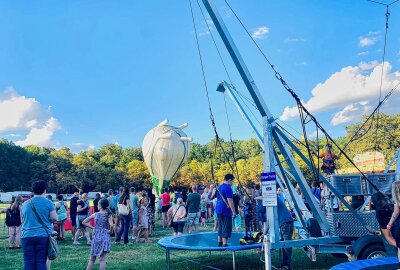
(112, 165)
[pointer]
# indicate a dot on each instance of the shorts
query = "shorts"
(209, 205)
(193, 218)
(178, 226)
(135, 218)
(80, 219)
(237, 221)
(224, 226)
(261, 217)
(73, 220)
(165, 208)
(203, 215)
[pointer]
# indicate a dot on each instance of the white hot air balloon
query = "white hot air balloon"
(165, 148)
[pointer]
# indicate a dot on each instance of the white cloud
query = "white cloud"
(208, 26)
(368, 40)
(41, 135)
(77, 147)
(363, 53)
(367, 65)
(260, 32)
(351, 112)
(302, 63)
(20, 113)
(290, 40)
(14, 135)
(349, 86)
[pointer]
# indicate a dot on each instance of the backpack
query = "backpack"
(256, 238)
(13, 218)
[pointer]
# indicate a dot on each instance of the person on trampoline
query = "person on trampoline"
(225, 210)
(328, 160)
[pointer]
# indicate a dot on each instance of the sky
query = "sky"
(81, 74)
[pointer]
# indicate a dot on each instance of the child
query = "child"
(143, 222)
(248, 214)
(214, 203)
(101, 237)
(159, 208)
(203, 209)
(13, 222)
(237, 202)
(61, 208)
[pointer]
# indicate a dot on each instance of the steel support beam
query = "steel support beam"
(294, 168)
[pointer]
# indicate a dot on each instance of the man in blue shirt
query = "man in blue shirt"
(38, 215)
(285, 220)
(225, 210)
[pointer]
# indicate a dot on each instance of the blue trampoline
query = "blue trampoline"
(390, 263)
(206, 241)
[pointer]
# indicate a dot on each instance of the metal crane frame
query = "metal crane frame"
(271, 135)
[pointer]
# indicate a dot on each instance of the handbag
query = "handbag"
(172, 220)
(123, 209)
(52, 250)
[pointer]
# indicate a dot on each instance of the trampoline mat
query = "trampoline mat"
(204, 241)
(391, 263)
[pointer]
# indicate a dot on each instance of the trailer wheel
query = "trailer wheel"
(373, 251)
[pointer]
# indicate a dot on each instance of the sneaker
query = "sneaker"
(76, 243)
(225, 245)
(148, 241)
(285, 267)
(220, 244)
(11, 247)
(117, 243)
(128, 244)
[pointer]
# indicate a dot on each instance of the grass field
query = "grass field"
(151, 256)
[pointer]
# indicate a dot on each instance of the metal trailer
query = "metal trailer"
(349, 232)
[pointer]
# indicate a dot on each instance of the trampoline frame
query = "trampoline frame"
(167, 244)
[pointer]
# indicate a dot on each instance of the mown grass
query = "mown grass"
(152, 257)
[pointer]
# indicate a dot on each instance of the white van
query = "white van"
(92, 194)
(5, 197)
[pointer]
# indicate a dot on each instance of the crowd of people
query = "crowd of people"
(130, 215)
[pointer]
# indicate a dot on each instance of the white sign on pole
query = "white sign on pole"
(268, 187)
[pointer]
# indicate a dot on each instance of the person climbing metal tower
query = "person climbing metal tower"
(328, 160)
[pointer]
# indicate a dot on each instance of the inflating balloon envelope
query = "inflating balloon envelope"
(165, 148)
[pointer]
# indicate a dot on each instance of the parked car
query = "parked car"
(5, 197)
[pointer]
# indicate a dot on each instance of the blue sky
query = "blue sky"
(85, 73)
